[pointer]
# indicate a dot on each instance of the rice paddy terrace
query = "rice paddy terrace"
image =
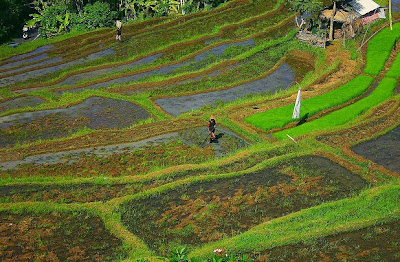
(105, 155)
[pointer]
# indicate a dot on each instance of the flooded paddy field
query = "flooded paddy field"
(188, 146)
(208, 211)
(20, 102)
(22, 75)
(385, 150)
(93, 113)
(281, 78)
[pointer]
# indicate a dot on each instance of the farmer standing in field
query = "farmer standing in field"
(119, 28)
(211, 128)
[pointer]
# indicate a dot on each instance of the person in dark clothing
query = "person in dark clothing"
(211, 128)
(119, 29)
(118, 37)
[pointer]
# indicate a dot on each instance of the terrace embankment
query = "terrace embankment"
(208, 211)
(375, 243)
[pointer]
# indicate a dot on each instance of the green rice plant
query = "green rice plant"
(5, 92)
(279, 117)
(370, 207)
(383, 91)
(394, 70)
(47, 94)
(379, 48)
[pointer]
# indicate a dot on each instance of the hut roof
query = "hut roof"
(362, 7)
(340, 16)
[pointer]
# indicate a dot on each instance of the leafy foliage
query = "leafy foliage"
(94, 16)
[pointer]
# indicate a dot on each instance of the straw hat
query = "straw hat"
(212, 117)
(118, 23)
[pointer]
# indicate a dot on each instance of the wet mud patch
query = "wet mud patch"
(20, 102)
(195, 139)
(94, 113)
(301, 63)
(280, 79)
(384, 150)
(66, 193)
(208, 211)
(375, 243)
(56, 237)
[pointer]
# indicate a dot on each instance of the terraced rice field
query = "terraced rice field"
(105, 155)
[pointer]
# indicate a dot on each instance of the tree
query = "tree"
(53, 17)
(300, 7)
(94, 16)
(13, 15)
(166, 7)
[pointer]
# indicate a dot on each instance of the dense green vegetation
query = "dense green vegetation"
(379, 49)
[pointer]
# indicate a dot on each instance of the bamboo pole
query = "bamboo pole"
(390, 14)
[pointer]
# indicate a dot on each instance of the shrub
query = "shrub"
(54, 20)
(94, 16)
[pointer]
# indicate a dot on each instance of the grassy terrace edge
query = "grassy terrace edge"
(280, 116)
(371, 206)
(383, 91)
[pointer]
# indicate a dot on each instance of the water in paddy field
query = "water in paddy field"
(396, 6)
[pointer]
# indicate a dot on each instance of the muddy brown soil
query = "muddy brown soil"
(56, 237)
(375, 243)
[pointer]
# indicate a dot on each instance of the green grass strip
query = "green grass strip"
(281, 116)
(383, 91)
(394, 70)
(371, 206)
(379, 48)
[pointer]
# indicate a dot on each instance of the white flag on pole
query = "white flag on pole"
(296, 110)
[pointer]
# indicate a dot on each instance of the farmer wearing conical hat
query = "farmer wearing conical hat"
(211, 128)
